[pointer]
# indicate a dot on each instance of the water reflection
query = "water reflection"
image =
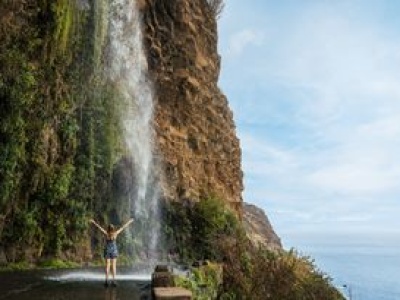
(71, 285)
(96, 276)
(110, 294)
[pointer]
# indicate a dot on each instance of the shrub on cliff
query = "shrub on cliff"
(258, 273)
(192, 229)
(207, 230)
(211, 221)
(204, 281)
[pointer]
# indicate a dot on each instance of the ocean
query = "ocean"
(361, 269)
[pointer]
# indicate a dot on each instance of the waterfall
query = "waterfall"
(126, 68)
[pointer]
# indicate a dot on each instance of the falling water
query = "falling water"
(128, 71)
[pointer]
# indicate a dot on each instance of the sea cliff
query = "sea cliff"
(63, 156)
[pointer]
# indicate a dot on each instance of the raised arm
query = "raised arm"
(98, 226)
(124, 226)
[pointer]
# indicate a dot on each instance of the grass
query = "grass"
(55, 263)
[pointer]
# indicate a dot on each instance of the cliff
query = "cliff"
(62, 154)
(259, 229)
(195, 128)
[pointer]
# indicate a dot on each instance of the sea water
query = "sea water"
(362, 268)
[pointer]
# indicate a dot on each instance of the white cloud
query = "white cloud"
(353, 179)
(243, 39)
(331, 79)
(363, 162)
(265, 157)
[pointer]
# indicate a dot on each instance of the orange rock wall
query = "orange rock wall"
(195, 129)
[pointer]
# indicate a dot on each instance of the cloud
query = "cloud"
(318, 113)
(268, 154)
(243, 39)
(364, 161)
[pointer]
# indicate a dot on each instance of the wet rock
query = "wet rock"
(162, 277)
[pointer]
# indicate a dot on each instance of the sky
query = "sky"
(315, 91)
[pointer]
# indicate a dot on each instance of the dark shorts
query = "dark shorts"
(110, 250)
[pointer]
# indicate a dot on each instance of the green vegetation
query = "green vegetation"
(61, 156)
(261, 274)
(59, 140)
(55, 263)
(207, 230)
(18, 266)
(52, 263)
(192, 229)
(204, 282)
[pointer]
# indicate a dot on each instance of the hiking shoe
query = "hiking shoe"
(106, 284)
(114, 284)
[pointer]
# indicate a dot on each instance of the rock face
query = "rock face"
(259, 228)
(194, 125)
(62, 157)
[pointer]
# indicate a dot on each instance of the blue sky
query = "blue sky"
(315, 91)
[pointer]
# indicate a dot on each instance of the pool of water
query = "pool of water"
(73, 284)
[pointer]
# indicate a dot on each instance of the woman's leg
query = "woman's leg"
(114, 268)
(108, 264)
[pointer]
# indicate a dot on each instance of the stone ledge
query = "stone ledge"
(172, 293)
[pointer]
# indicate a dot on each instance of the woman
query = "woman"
(110, 249)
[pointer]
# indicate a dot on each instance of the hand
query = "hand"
(92, 221)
